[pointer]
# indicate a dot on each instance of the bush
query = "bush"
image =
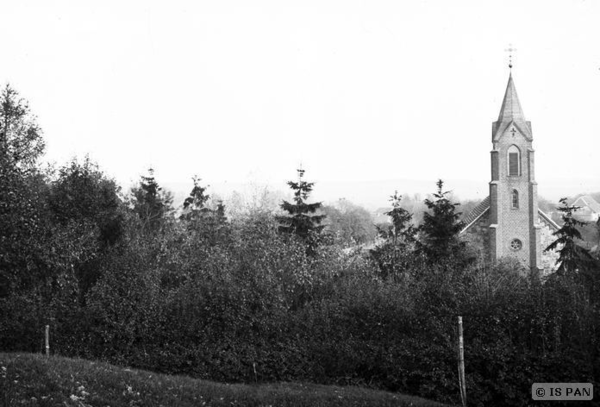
(238, 302)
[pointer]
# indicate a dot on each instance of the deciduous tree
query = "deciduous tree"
(350, 223)
(83, 192)
(21, 141)
(21, 145)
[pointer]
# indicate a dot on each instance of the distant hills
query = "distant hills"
(373, 194)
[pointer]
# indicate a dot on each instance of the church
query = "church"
(508, 223)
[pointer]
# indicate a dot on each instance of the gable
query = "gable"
(500, 129)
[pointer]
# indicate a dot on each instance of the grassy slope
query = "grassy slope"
(34, 380)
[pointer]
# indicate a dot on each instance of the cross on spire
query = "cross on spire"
(510, 51)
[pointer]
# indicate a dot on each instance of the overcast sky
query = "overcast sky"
(245, 91)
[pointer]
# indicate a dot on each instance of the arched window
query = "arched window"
(515, 199)
(514, 161)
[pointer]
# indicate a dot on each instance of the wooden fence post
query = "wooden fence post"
(461, 364)
(47, 340)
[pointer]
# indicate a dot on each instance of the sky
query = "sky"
(368, 96)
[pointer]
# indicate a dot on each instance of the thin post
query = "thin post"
(47, 337)
(461, 364)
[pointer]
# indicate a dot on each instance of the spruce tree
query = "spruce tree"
(439, 232)
(401, 230)
(206, 223)
(195, 204)
(301, 219)
(572, 257)
(398, 238)
(150, 202)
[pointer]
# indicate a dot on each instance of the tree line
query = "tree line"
(267, 296)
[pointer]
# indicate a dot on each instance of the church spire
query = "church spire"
(511, 108)
(511, 115)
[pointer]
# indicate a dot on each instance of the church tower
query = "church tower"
(514, 226)
(508, 223)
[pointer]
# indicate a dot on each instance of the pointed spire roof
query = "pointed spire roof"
(511, 114)
(511, 107)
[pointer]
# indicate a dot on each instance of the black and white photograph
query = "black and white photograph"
(261, 203)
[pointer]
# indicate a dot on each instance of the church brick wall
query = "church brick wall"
(477, 237)
(515, 223)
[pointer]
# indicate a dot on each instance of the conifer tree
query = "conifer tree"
(439, 232)
(195, 204)
(572, 257)
(301, 219)
(208, 224)
(398, 239)
(400, 231)
(150, 202)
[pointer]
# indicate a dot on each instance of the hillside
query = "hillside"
(34, 380)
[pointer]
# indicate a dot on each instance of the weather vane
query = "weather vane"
(510, 51)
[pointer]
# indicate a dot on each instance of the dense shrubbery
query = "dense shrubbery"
(236, 300)
(255, 307)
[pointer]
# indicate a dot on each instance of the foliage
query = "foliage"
(20, 223)
(467, 207)
(438, 235)
(20, 213)
(597, 246)
(349, 223)
(572, 257)
(401, 231)
(82, 192)
(21, 142)
(150, 202)
(197, 199)
(252, 306)
(395, 252)
(301, 220)
(546, 205)
(236, 300)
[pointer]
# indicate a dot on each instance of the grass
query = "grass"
(35, 380)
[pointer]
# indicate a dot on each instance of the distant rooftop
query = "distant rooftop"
(589, 202)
